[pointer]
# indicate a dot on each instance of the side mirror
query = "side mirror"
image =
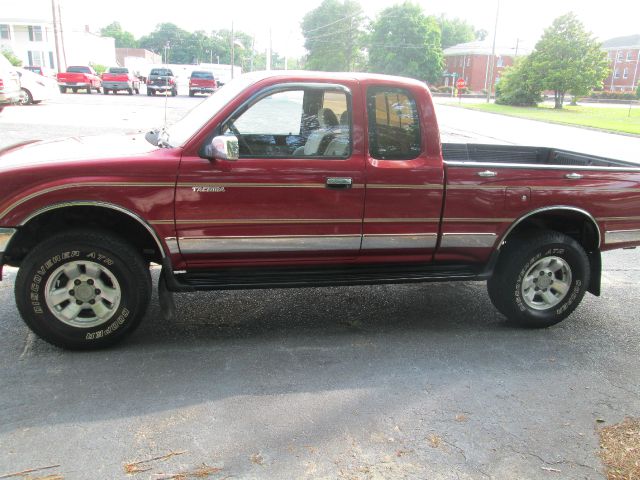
(223, 147)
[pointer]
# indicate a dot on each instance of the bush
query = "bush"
(638, 91)
(15, 61)
(516, 87)
(100, 69)
(612, 96)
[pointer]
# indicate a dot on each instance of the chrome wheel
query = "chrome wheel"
(546, 283)
(83, 294)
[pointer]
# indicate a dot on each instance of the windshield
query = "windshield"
(78, 70)
(195, 119)
(118, 70)
(205, 75)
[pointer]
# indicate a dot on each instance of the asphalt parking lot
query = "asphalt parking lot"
(387, 382)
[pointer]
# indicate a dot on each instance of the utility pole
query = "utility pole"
(64, 51)
(55, 35)
(493, 56)
(268, 65)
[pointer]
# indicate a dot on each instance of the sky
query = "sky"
(518, 20)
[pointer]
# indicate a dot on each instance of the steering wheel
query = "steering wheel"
(240, 138)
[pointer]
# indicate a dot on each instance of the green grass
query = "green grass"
(614, 119)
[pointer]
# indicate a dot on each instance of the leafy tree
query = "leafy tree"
(517, 87)
(123, 38)
(333, 36)
(455, 31)
(13, 59)
(568, 59)
(481, 34)
(404, 41)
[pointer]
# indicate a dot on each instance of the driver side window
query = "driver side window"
(295, 123)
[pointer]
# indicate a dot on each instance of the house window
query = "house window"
(35, 33)
(468, 61)
(629, 56)
(625, 73)
(619, 57)
(5, 33)
(51, 62)
(500, 62)
(35, 58)
(616, 73)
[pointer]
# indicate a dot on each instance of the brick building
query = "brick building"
(624, 53)
(470, 61)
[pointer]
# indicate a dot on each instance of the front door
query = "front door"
(295, 196)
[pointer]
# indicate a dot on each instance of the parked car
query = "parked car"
(79, 78)
(118, 79)
(36, 88)
(161, 80)
(44, 71)
(202, 82)
(302, 179)
(9, 83)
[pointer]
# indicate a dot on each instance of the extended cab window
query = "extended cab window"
(294, 123)
(394, 124)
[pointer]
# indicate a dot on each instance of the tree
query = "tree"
(123, 38)
(333, 36)
(13, 59)
(568, 59)
(455, 31)
(404, 41)
(517, 87)
(481, 34)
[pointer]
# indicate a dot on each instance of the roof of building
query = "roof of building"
(485, 47)
(629, 41)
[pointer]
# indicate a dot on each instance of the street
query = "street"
(386, 382)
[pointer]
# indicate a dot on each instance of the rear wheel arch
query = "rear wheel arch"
(574, 222)
(97, 215)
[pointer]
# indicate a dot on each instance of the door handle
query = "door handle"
(339, 182)
(487, 173)
(573, 176)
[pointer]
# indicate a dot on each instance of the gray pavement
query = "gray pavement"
(385, 382)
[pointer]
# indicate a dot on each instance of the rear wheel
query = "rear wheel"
(89, 92)
(106, 91)
(174, 92)
(74, 90)
(83, 289)
(539, 280)
(130, 91)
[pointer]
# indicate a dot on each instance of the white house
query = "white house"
(27, 28)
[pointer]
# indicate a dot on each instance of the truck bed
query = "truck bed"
(513, 155)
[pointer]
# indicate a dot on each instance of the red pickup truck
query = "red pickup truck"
(298, 180)
(118, 79)
(79, 78)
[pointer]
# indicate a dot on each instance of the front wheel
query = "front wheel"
(25, 97)
(539, 280)
(83, 289)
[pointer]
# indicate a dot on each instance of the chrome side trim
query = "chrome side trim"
(468, 240)
(621, 236)
(297, 243)
(5, 237)
(399, 241)
(172, 245)
(457, 163)
(111, 206)
(549, 209)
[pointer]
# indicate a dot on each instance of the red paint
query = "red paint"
(389, 197)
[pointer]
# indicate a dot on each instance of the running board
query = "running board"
(300, 277)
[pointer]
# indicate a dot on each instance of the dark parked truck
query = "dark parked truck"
(118, 79)
(79, 78)
(161, 80)
(299, 180)
(201, 82)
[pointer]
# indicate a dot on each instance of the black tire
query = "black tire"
(174, 92)
(523, 254)
(148, 92)
(26, 98)
(89, 92)
(83, 249)
(130, 91)
(62, 89)
(106, 91)
(191, 93)
(74, 90)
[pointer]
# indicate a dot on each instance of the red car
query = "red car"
(202, 82)
(118, 79)
(298, 180)
(79, 78)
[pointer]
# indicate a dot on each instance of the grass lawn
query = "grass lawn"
(614, 119)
